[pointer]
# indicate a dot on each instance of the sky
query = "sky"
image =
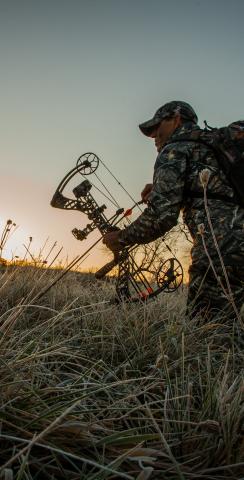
(79, 76)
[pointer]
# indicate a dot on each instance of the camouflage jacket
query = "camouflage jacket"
(176, 187)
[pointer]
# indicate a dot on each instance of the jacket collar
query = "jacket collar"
(183, 130)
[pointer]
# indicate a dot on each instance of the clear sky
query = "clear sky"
(80, 76)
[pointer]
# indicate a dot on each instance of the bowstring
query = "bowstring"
(119, 183)
(141, 210)
(102, 193)
(111, 199)
(107, 190)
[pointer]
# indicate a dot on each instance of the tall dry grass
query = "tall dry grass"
(94, 390)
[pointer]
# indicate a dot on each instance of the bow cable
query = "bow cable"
(107, 190)
(134, 201)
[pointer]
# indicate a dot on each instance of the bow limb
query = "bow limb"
(59, 200)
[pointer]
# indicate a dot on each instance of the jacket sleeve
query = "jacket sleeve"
(165, 200)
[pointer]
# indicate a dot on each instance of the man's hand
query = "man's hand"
(146, 192)
(111, 240)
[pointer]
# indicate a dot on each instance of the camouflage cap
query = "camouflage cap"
(166, 111)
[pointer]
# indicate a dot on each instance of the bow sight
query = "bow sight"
(134, 281)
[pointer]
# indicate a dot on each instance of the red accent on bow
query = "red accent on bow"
(147, 293)
(128, 212)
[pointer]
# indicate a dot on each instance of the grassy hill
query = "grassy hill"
(95, 390)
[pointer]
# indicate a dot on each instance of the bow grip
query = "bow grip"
(102, 272)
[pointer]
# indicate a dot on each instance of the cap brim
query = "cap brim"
(148, 127)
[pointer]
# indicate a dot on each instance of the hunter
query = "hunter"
(177, 186)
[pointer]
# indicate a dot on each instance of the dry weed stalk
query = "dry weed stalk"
(95, 391)
(91, 390)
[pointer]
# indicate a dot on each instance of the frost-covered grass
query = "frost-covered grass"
(94, 390)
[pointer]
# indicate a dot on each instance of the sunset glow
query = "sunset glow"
(74, 79)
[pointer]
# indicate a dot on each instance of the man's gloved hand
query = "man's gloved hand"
(111, 240)
(146, 192)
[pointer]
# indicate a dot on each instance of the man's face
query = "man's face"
(164, 130)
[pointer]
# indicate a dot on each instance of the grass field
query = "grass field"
(93, 390)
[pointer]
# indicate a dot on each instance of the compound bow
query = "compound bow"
(133, 281)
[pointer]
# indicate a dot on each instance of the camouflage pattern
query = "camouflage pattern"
(166, 111)
(176, 187)
(207, 297)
